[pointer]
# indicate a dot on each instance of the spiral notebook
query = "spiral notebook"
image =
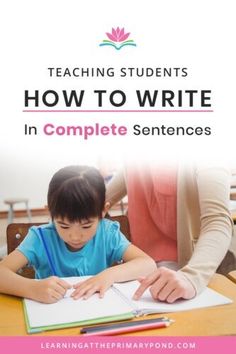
(116, 305)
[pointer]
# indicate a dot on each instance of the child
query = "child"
(79, 241)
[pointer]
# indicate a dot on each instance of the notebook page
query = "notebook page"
(207, 298)
(68, 310)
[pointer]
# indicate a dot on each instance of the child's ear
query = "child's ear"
(107, 206)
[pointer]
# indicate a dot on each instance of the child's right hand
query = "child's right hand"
(49, 290)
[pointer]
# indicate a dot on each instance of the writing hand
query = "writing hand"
(166, 285)
(49, 290)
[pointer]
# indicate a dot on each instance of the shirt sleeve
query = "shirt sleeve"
(117, 243)
(30, 247)
(215, 226)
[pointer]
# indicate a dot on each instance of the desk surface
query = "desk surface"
(220, 320)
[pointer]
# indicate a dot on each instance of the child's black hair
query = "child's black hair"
(76, 193)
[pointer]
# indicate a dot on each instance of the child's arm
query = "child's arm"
(136, 264)
(48, 290)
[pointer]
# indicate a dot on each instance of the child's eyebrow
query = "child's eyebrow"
(82, 222)
(89, 221)
(62, 223)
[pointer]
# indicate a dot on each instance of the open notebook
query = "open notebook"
(116, 305)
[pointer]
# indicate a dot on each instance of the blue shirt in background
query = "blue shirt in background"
(106, 247)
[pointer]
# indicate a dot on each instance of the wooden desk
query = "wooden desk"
(220, 320)
(232, 276)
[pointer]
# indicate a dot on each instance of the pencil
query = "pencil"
(50, 262)
(126, 327)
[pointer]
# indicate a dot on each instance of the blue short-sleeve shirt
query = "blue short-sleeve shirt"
(106, 247)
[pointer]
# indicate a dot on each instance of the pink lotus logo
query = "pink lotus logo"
(117, 39)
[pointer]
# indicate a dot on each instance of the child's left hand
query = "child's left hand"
(99, 283)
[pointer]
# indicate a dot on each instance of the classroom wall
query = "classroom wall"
(27, 169)
(28, 176)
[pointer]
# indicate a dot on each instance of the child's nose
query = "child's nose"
(76, 235)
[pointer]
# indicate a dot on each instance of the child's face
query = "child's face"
(76, 234)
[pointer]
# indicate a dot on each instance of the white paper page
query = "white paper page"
(207, 298)
(68, 310)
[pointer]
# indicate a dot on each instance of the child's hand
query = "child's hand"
(99, 283)
(49, 290)
(166, 285)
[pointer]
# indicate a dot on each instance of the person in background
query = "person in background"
(180, 217)
(78, 242)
